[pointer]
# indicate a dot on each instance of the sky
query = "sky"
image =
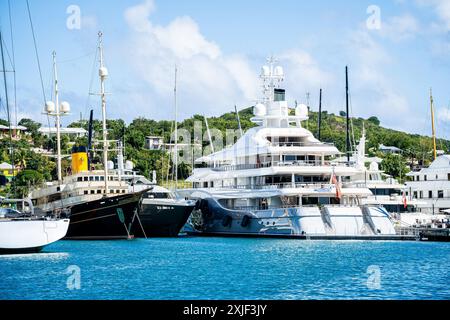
(395, 51)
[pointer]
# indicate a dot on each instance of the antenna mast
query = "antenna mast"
(103, 73)
(58, 120)
(432, 124)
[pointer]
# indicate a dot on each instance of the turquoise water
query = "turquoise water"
(222, 268)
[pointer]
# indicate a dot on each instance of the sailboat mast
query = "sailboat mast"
(103, 73)
(7, 109)
(432, 124)
(348, 117)
(176, 128)
(320, 113)
(58, 120)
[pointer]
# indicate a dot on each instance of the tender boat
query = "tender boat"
(26, 232)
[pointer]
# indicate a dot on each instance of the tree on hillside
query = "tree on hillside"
(374, 120)
(395, 165)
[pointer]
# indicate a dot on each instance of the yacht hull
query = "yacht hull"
(161, 219)
(296, 222)
(30, 236)
(104, 219)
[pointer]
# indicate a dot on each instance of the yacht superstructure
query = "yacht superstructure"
(278, 180)
(386, 191)
(432, 186)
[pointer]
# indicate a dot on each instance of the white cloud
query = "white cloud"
(378, 94)
(442, 10)
(208, 78)
(403, 27)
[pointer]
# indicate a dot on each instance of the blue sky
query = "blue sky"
(219, 47)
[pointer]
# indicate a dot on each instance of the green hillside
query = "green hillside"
(35, 168)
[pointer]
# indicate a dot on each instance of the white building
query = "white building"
(432, 185)
(154, 142)
(73, 132)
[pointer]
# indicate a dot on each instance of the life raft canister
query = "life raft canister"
(245, 221)
(226, 221)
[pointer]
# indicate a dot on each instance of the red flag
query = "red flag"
(336, 183)
(405, 204)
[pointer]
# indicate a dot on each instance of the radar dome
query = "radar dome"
(49, 107)
(65, 107)
(265, 71)
(260, 110)
(129, 165)
(373, 166)
(103, 72)
(301, 111)
(278, 71)
(110, 165)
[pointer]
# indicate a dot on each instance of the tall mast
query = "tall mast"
(348, 117)
(320, 113)
(7, 110)
(176, 128)
(432, 124)
(58, 119)
(103, 73)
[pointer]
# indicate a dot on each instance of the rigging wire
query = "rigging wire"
(13, 61)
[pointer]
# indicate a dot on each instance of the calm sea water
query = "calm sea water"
(218, 268)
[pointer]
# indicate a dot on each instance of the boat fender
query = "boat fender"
(245, 221)
(226, 221)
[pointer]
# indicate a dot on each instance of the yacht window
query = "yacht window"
(86, 192)
(91, 178)
(430, 194)
(440, 194)
(425, 177)
(99, 191)
(448, 177)
(437, 177)
(415, 194)
(97, 178)
(418, 178)
(102, 178)
(79, 179)
(421, 194)
(92, 191)
(85, 178)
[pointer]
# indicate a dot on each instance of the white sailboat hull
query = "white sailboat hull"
(30, 235)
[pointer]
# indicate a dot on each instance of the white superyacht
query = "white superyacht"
(278, 180)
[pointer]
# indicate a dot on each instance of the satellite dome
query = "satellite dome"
(110, 165)
(103, 72)
(65, 107)
(278, 71)
(301, 111)
(129, 165)
(49, 107)
(373, 166)
(260, 110)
